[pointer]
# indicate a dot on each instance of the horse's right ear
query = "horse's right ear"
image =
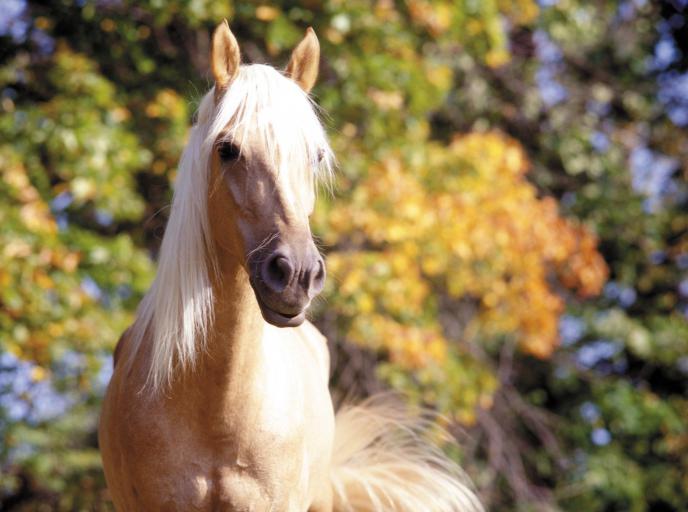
(224, 56)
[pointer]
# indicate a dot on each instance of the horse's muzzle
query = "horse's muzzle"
(285, 279)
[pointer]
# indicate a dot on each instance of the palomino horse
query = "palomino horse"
(219, 399)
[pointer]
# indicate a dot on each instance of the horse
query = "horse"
(219, 398)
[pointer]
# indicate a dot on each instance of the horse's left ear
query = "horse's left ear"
(224, 56)
(305, 59)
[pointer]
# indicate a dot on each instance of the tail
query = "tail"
(382, 463)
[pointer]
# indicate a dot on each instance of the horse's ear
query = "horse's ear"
(224, 56)
(305, 59)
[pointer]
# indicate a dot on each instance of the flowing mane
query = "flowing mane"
(263, 104)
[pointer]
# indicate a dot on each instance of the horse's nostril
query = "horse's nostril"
(277, 273)
(318, 278)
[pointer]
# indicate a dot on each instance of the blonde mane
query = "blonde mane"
(270, 109)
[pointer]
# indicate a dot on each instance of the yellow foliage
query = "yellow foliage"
(165, 104)
(38, 373)
(409, 346)
(477, 24)
(266, 13)
(462, 219)
(497, 57)
(435, 16)
(520, 12)
(33, 212)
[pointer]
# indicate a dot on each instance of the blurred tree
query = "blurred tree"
(596, 93)
(462, 127)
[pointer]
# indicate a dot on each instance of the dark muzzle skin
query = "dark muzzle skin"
(285, 278)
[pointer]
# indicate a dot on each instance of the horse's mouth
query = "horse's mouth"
(279, 319)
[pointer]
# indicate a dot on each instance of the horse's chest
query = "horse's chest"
(263, 445)
(267, 469)
(282, 450)
(269, 454)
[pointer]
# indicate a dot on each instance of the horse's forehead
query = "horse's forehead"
(290, 176)
(253, 134)
(261, 144)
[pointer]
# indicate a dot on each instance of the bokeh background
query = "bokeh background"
(507, 239)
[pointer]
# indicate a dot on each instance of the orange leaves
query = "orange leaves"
(167, 103)
(435, 16)
(513, 241)
(367, 281)
(489, 155)
(585, 270)
(14, 175)
(520, 12)
(266, 13)
(386, 100)
(36, 217)
(33, 212)
(410, 347)
(478, 26)
(462, 221)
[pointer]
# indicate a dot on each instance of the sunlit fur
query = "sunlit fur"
(383, 462)
(270, 109)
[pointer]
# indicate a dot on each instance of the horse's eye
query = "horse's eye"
(321, 155)
(228, 152)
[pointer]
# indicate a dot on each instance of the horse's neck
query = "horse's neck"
(224, 370)
(237, 327)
